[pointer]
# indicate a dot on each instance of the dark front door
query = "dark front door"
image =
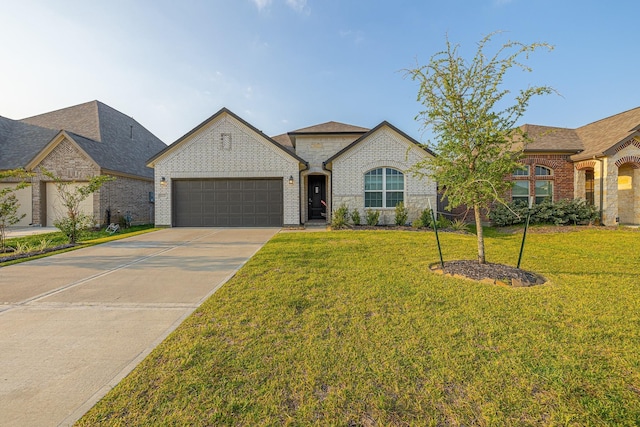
(317, 197)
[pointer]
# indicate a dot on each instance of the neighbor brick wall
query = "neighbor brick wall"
(69, 163)
(127, 194)
(562, 175)
(246, 155)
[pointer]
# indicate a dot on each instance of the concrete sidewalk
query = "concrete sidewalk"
(73, 325)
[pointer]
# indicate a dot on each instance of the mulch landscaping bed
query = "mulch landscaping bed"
(10, 256)
(499, 274)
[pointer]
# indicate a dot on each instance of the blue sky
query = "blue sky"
(287, 64)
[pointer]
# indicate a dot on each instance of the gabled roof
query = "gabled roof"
(602, 135)
(547, 138)
(114, 140)
(599, 138)
(21, 142)
(371, 132)
(220, 112)
(329, 128)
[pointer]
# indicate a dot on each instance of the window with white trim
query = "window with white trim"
(544, 191)
(543, 171)
(522, 171)
(520, 192)
(383, 188)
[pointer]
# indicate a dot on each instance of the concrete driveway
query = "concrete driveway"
(73, 325)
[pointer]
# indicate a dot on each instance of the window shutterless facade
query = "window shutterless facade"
(383, 188)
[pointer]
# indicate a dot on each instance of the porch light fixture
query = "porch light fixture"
(163, 181)
(290, 179)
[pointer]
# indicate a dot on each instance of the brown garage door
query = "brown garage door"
(227, 203)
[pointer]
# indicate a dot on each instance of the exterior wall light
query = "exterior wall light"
(163, 181)
(290, 179)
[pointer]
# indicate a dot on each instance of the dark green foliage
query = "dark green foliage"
(355, 217)
(562, 212)
(373, 217)
(402, 214)
(340, 218)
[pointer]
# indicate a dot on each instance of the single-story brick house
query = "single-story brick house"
(76, 143)
(598, 162)
(225, 172)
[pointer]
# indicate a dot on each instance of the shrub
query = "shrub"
(562, 212)
(355, 217)
(402, 214)
(417, 223)
(340, 217)
(459, 225)
(372, 217)
(425, 217)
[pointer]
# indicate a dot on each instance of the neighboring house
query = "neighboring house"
(225, 172)
(598, 162)
(76, 143)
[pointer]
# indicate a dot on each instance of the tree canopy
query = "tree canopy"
(474, 121)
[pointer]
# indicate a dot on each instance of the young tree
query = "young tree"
(473, 121)
(9, 203)
(71, 197)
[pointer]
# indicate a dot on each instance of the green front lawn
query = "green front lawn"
(38, 242)
(351, 329)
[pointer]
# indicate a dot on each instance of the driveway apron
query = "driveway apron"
(73, 325)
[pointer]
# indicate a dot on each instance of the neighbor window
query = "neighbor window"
(520, 192)
(543, 171)
(522, 171)
(544, 191)
(383, 188)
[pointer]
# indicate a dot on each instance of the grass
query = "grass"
(58, 238)
(349, 328)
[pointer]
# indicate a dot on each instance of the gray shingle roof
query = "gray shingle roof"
(114, 140)
(330, 127)
(20, 142)
(593, 139)
(547, 138)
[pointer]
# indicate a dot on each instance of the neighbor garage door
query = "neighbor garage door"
(227, 203)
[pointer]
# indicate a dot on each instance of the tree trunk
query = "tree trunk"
(480, 234)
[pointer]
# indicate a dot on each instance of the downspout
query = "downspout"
(601, 188)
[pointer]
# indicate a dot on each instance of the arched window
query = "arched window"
(383, 188)
(543, 171)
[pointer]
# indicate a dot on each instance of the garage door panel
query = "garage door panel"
(228, 202)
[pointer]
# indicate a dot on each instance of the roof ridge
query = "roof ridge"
(609, 117)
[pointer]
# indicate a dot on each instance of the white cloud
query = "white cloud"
(298, 5)
(261, 4)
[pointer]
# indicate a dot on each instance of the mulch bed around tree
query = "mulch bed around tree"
(499, 274)
(10, 256)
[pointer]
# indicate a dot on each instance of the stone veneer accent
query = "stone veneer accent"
(348, 174)
(627, 156)
(226, 148)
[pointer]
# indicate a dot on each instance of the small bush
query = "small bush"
(402, 214)
(562, 212)
(425, 217)
(417, 223)
(459, 225)
(373, 217)
(340, 217)
(355, 217)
